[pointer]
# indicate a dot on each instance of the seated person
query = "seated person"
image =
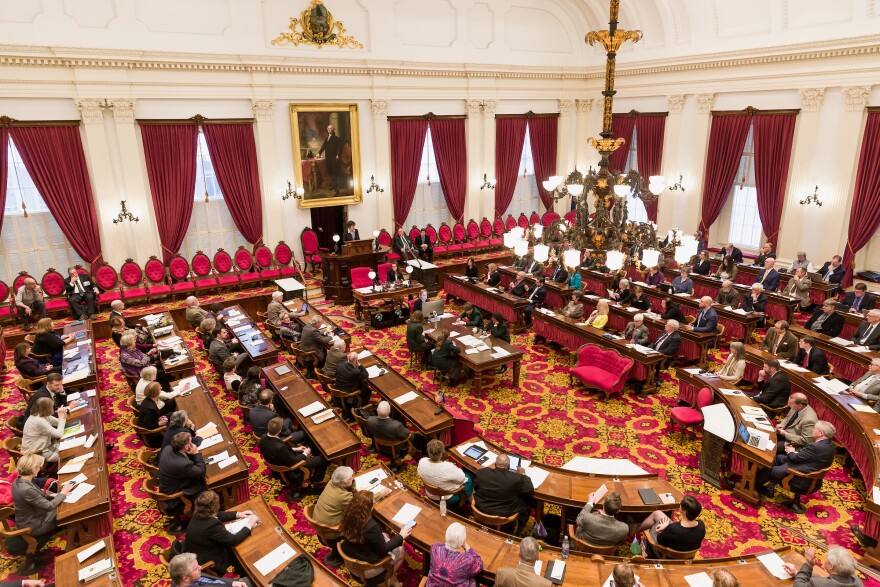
(444, 357)
(47, 342)
(133, 361)
(454, 562)
(588, 261)
(780, 341)
(150, 416)
(397, 273)
(825, 320)
(833, 271)
(264, 412)
(223, 346)
(654, 277)
(443, 474)
(195, 313)
(288, 329)
(276, 309)
(524, 572)
(207, 536)
(756, 301)
(671, 310)
(181, 468)
(522, 262)
(231, 379)
(498, 491)
(282, 454)
(496, 326)
(336, 356)
(768, 276)
(42, 431)
(35, 509)
(384, 427)
(574, 280)
(599, 317)
(766, 253)
(534, 268)
(575, 307)
(623, 294)
(179, 422)
(536, 296)
(859, 299)
(150, 374)
(559, 275)
(774, 385)
(683, 283)
(312, 340)
(669, 342)
(28, 367)
(521, 285)
(117, 307)
(685, 535)
(30, 303)
(365, 539)
(471, 270)
(53, 388)
(728, 269)
(728, 295)
(701, 265)
(623, 576)
(810, 357)
(839, 564)
(868, 332)
(250, 387)
(205, 332)
(636, 331)
(424, 247)
(815, 456)
(184, 570)
(493, 276)
(402, 245)
(735, 366)
(415, 337)
(80, 294)
(733, 252)
(423, 297)
(707, 319)
(640, 299)
(799, 287)
(802, 262)
(471, 316)
(331, 504)
(352, 376)
(601, 527)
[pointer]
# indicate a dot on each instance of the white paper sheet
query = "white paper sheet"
(374, 371)
(408, 396)
(209, 429)
(85, 554)
(211, 441)
(740, 311)
(275, 559)
(616, 467)
(699, 580)
(731, 392)
(78, 492)
(558, 569)
(774, 563)
(501, 351)
(369, 479)
(71, 468)
(234, 526)
(227, 462)
(99, 568)
(364, 354)
(82, 458)
(875, 494)
(841, 341)
(471, 351)
(312, 408)
(407, 513)
(282, 370)
(538, 476)
(323, 416)
(74, 442)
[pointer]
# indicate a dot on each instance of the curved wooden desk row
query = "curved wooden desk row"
(847, 363)
(482, 296)
(174, 367)
(311, 312)
(262, 350)
(747, 274)
(80, 372)
(558, 294)
(501, 550)
(67, 566)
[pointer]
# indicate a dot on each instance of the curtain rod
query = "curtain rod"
(430, 116)
(750, 111)
(636, 114)
(529, 114)
(873, 109)
(6, 121)
(198, 119)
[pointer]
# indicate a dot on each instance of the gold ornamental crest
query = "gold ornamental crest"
(318, 28)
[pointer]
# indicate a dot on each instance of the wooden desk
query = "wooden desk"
(311, 312)
(262, 350)
(421, 412)
(558, 294)
(569, 489)
(851, 322)
(364, 296)
(265, 538)
(747, 274)
(847, 363)
(482, 361)
(779, 306)
(565, 331)
(336, 270)
(334, 438)
(595, 281)
(86, 346)
(481, 295)
(230, 483)
(181, 368)
(457, 266)
(67, 567)
(89, 518)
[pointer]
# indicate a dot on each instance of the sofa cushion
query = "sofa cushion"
(596, 377)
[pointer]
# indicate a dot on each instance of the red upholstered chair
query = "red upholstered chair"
(107, 280)
(385, 241)
(266, 263)
(382, 271)
(447, 241)
(431, 233)
(225, 270)
(360, 277)
(414, 232)
(203, 272)
(523, 221)
(244, 266)
(511, 222)
(309, 240)
(461, 237)
(53, 288)
(602, 369)
(156, 279)
(132, 276)
(181, 277)
(486, 234)
(472, 229)
(439, 247)
(549, 218)
(687, 417)
(571, 216)
(5, 303)
(284, 259)
(534, 218)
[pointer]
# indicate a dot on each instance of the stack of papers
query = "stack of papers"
(365, 353)
(69, 443)
(731, 392)
(275, 559)
(408, 396)
(219, 457)
(323, 416)
(740, 311)
(209, 429)
(186, 384)
(831, 386)
(774, 563)
(642, 349)
(84, 555)
(375, 371)
(369, 480)
(312, 408)
(211, 441)
(95, 570)
(860, 407)
(282, 370)
(234, 526)
(615, 467)
(841, 341)
(78, 492)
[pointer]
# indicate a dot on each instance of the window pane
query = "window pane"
(525, 195)
(210, 228)
(19, 185)
(745, 223)
(206, 180)
(635, 208)
(429, 205)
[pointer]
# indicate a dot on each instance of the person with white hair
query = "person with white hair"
(194, 312)
(523, 575)
(455, 563)
(669, 342)
(839, 563)
(150, 374)
(335, 357)
(184, 570)
(867, 386)
(276, 309)
(868, 332)
(707, 319)
(756, 301)
(330, 506)
(814, 456)
(622, 295)
(636, 331)
(384, 427)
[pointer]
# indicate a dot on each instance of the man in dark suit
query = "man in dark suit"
(53, 389)
(331, 150)
(520, 286)
(207, 537)
(424, 246)
(181, 468)
(384, 427)
(859, 299)
(868, 332)
(756, 301)
(768, 276)
(79, 289)
(352, 233)
(560, 275)
(498, 491)
(493, 277)
(833, 271)
(264, 412)
(536, 296)
(809, 357)
(534, 268)
(668, 342)
(825, 320)
(281, 453)
(707, 319)
(312, 339)
(774, 385)
(402, 245)
(766, 253)
(815, 456)
(352, 376)
(780, 341)
(732, 251)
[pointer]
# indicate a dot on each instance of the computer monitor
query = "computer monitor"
(432, 309)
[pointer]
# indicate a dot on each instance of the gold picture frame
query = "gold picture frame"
(326, 181)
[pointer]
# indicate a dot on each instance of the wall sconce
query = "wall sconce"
(296, 194)
(375, 187)
(126, 215)
(811, 199)
(488, 183)
(677, 185)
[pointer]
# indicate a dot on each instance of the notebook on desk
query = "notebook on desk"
(649, 496)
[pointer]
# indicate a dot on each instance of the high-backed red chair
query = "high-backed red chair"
(107, 280)
(571, 216)
(225, 270)
(5, 303)
(203, 273)
(382, 271)
(248, 273)
(309, 240)
(486, 234)
(602, 369)
(265, 263)
(472, 229)
(414, 232)
(689, 417)
(181, 276)
(431, 233)
(284, 259)
(156, 278)
(549, 218)
(510, 223)
(534, 218)
(446, 238)
(53, 286)
(132, 276)
(385, 240)
(523, 221)
(498, 231)
(460, 236)
(360, 277)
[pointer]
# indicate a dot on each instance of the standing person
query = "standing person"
(352, 234)
(331, 150)
(30, 302)
(80, 290)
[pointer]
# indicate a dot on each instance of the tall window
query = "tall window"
(429, 205)
(745, 223)
(33, 243)
(525, 195)
(211, 226)
(635, 208)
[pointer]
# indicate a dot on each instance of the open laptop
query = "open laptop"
(432, 309)
(814, 277)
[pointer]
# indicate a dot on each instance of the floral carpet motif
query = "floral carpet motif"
(546, 419)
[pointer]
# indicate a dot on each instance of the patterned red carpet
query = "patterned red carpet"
(545, 419)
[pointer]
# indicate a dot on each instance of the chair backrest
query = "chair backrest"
(431, 233)
(704, 398)
(571, 216)
(589, 547)
(243, 259)
(178, 268)
(472, 229)
(154, 270)
(106, 277)
(360, 277)
(263, 256)
(9, 532)
(4, 292)
(549, 218)
(486, 227)
(489, 520)
(320, 529)
(459, 233)
(414, 232)
(201, 264)
(498, 227)
(510, 223)
(523, 221)
(283, 254)
(19, 281)
(444, 234)
(804, 483)
(131, 273)
(223, 262)
(309, 240)
(605, 359)
(534, 218)
(53, 283)
(382, 271)
(358, 567)
(384, 238)
(145, 458)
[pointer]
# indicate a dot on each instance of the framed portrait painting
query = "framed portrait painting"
(326, 154)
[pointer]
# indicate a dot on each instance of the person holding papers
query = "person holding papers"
(623, 294)
(810, 357)
(868, 332)
(797, 428)
(735, 367)
(734, 253)
(799, 287)
(365, 540)
(352, 376)
(150, 416)
(454, 563)
(636, 331)
(814, 456)
(825, 320)
(707, 319)
(185, 571)
(207, 536)
(575, 307)
(867, 386)
(42, 432)
(839, 563)
(47, 342)
(52, 389)
(443, 474)
(471, 316)
(728, 295)
(280, 453)
(601, 527)
(444, 357)
(498, 491)
(683, 283)
(756, 301)
(599, 317)
(523, 575)
(780, 341)
(774, 385)
(686, 534)
(181, 468)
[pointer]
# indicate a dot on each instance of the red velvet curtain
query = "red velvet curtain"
(407, 143)
(54, 158)
(510, 133)
(864, 216)
(234, 157)
(4, 169)
(450, 148)
(170, 153)
(542, 134)
(727, 139)
(649, 135)
(622, 126)
(774, 136)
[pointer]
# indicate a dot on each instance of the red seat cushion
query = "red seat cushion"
(596, 377)
(454, 248)
(56, 304)
(496, 241)
(686, 416)
(183, 286)
(138, 292)
(483, 243)
(271, 274)
(206, 282)
(5, 311)
(392, 257)
(285, 271)
(109, 296)
(468, 246)
(160, 289)
(227, 279)
(249, 276)
(436, 250)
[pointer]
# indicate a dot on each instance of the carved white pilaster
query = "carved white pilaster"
(382, 202)
(473, 107)
(272, 178)
(379, 107)
(484, 200)
(564, 106)
(489, 107)
(812, 98)
(856, 98)
(123, 110)
(675, 103)
(91, 110)
(584, 106)
(705, 102)
(263, 110)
